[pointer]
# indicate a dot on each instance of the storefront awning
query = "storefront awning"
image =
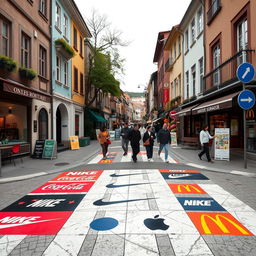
(214, 105)
(96, 117)
(186, 111)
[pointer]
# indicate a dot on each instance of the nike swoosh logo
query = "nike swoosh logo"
(124, 185)
(176, 176)
(22, 224)
(101, 203)
(121, 175)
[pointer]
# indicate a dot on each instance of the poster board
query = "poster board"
(222, 144)
(174, 139)
(38, 150)
(50, 149)
(74, 142)
(112, 135)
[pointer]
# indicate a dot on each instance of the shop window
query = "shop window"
(76, 125)
(25, 50)
(218, 121)
(187, 130)
(5, 34)
(43, 124)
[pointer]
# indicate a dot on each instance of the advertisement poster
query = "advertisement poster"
(222, 144)
(74, 142)
(174, 139)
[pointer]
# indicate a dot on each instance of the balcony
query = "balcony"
(169, 64)
(225, 74)
(213, 11)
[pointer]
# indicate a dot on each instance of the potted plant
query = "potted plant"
(7, 64)
(27, 73)
(62, 46)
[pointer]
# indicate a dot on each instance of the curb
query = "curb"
(48, 172)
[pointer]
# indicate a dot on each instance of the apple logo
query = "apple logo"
(156, 223)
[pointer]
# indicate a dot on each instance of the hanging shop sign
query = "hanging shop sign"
(222, 144)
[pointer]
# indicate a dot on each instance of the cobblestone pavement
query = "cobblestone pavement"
(131, 193)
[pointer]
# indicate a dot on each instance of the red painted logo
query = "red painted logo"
(32, 223)
(176, 171)
(64, 187)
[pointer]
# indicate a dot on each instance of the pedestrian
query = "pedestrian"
(125, 140)
(164, 138)
(142, 130)
(204, 141)
(148, 140)
(103, 138)
(135, 137)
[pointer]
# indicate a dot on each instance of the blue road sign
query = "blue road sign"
(246, 99)
(245, 72)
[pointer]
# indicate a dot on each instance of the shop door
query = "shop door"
(43, 124)
(58, 125)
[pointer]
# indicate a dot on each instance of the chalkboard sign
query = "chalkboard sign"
(39, 148)
(50, 149)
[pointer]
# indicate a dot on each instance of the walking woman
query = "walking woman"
(204, 140)
(148, 140)
(103, 139)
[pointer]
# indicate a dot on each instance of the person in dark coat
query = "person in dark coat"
(124, 133)
(135, 137)
(149, 135)
(164, 138)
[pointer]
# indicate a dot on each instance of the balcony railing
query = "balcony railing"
(213, 11)
(168, 64)
(225, 74)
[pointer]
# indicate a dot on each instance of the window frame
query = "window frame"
(81, 82)
(58, 17)
(186, 40)
(7, 38)
(187, 83)
(43, 11)
(66, 73)
(65, 26)
(193, 76)
(42, 61)
(75, 38)
(193, 31)
(75, 79)
(24, 51)
(201, 73)
(200, 28)
(81, 46)
(58, 68)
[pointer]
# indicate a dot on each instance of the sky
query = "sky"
(140, 22)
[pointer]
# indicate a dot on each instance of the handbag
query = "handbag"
(108, 141)
(146, 143)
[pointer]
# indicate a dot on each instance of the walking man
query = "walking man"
(135, 137)
(164, 138)
(125, 140)
(204, 140)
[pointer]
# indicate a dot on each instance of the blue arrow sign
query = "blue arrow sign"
(246, 99)
(245, 72)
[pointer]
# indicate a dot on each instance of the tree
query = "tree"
(105, 62)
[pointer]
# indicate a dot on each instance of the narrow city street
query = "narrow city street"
(117, 207)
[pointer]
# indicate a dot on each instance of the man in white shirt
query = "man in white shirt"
(204, 140)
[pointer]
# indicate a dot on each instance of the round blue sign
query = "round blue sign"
(245, 72)
(103, 224)
(246, 99)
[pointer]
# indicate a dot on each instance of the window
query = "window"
(179, 46)
(193, 74)
(75, 38)
(76, 125)
(187, 84)
(186, 40)
(5, 37)
(175, 53)
(58, 17)
(65, 26)
(25, 50)
(179, 85)
(43, 124)
(42, 61)
(242, 39)
(42, 7)
(66, 73)
(58, 68)
(200, 23)
(201, 73)
(81, 46)
(81, 84)
(175, 88)
(216, 63)
(75, 79)
(193, 31)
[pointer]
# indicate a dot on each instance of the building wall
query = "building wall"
(59, 87)
(193, 55)
(222, 25)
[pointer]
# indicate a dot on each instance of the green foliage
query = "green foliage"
(7, 64)
(27, 73)
(102, 77)
(65, 45)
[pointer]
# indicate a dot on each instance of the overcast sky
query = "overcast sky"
(140, 21)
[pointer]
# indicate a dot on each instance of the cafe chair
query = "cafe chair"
(15, 152)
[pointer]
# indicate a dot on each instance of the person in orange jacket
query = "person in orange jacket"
(103, 138)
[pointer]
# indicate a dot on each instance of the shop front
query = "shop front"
(24, 115)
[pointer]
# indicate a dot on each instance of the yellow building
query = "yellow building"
(174, 65)
(79, 32)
